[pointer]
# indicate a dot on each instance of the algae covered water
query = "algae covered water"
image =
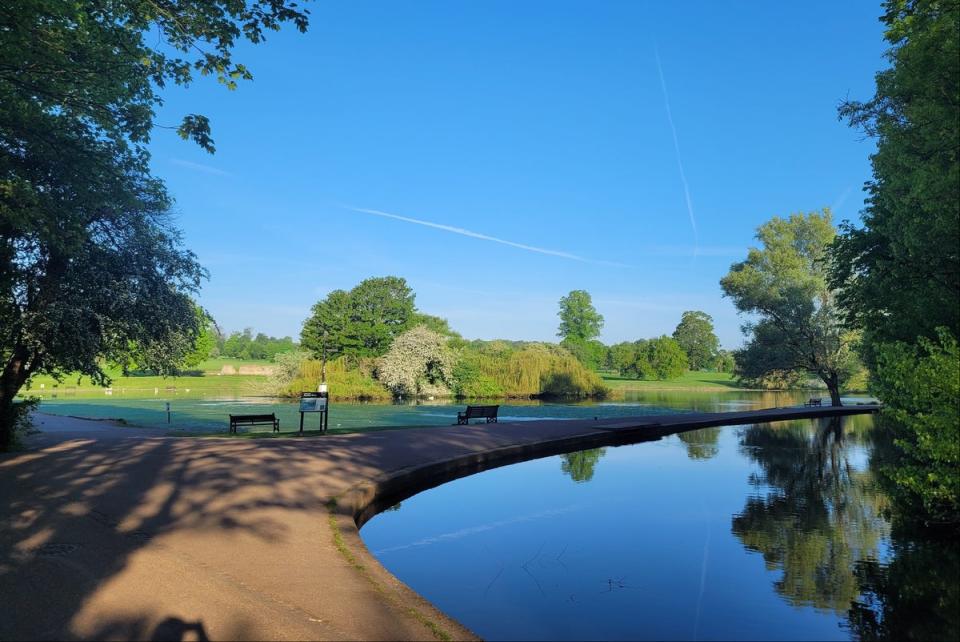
(767, 531)
(199, 412)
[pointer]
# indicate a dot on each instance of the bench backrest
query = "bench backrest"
(482, 411)
(252, 419)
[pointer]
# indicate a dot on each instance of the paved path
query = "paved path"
(119, 533)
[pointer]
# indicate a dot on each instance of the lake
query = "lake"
(768, 531)
(198, 412)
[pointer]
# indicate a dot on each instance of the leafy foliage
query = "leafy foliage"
(579, 320)
(531, 370)
(418, 362)
(724, 361)
(924, 381)
(799, 326)
(362, 322)
(899, 275)
(590, 353)
(91, 268)
(695, 335)
(659, 358)
(244, 345)
(100, 65)
(345, 381)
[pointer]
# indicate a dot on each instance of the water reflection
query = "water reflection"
(814, 514)
(752, 532)
(701, 444)
(914, 597)
(580, 465)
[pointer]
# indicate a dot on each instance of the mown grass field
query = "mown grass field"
(713, 381)
(210, 383)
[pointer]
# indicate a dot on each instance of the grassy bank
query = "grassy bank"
(691, 381)
(207, 382)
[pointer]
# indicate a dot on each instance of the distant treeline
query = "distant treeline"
(244, 345)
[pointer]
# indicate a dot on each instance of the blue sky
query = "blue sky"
(500, 154)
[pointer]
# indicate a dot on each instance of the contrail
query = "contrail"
(676, 147)
(473, 530)
(485, 237)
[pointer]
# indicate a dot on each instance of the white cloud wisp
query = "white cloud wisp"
(676, 147)
(485, 237)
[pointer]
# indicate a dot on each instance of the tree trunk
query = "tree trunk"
(14, 375)
(833, 385)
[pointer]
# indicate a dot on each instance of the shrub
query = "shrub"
(419, 362)
(343, 383)
(920, 387)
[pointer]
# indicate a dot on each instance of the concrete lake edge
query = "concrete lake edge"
(226, 532)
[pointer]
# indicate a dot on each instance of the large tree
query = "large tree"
(695, 335)
(91, 268)
(579, 320)
(362, 322)
(898, 274)
(796, 325)
(580, 325)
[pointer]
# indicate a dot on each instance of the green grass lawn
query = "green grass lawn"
(208, 384)
(687, 381)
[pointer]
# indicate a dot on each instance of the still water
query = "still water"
(770, 531)
(201, 413)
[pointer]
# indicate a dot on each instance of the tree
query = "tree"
(591, 353)
(205, 341)
(362, 322)
(724, 361)
(623, 356)
(661, 358)
(695, 335)
(898, 276)
(799, 327)
(925, 382)
(419, 362)
(579, 320)
(91, 267)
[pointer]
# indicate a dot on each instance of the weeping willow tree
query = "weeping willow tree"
(539, 370)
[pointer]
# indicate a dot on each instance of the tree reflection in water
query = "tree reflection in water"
(701, 444)
(814, 514)
(580, 465)
(819, 519)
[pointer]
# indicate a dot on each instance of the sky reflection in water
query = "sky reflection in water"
(749, 532)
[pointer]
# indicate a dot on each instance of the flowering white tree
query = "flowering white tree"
(418, 363)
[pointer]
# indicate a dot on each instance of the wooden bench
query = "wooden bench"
(478, 412)
(814, 401)
(251, 420)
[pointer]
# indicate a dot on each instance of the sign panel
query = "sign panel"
(313, 404)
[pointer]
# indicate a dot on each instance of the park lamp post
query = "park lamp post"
(323, 364)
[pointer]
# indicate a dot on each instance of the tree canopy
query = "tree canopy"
(362, 322)
(695, 335)
(579, 320)
(91, 267)
(898, 276)
(798, 325)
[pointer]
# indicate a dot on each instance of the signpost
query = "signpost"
(315, 402)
